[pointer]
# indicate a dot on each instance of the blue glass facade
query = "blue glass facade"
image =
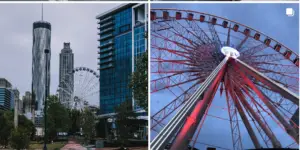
(139, 40)
(122, 38)
(5, 99)
(123, 21)
(115, 59)
(139, 46)
(117, 52)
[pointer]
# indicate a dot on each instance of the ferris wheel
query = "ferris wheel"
(196, 56)
(79, 88)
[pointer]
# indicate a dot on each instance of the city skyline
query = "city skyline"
(64, 29)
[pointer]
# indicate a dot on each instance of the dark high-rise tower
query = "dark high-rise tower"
(66, 65)
(41, 41)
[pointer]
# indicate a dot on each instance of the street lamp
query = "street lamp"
(46, 95)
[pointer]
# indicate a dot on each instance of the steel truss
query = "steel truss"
(189, 116)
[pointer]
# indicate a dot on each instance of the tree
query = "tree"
(74, 116)
(57, 118)
(88, 124)
(20, 138)
(124, 117)
(100, 128)
(27, 125)
(9, 135)
(6, 127)
(139, 81)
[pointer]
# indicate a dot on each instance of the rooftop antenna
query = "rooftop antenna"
(42, 12)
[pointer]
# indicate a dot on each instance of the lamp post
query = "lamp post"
(46, 95)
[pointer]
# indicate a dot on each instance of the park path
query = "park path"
(73, 145)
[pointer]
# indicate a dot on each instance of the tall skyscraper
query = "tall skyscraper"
(66, 77)
(6, 95)
(27, 102)
(41, 41)
(122, 39)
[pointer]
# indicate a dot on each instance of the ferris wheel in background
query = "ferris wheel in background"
(186, 53)
(78, 88)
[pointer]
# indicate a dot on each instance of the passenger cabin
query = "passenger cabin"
(165, 15)
(225, 24)
(190, 16)
(296, 61)
(256, 36)
(277, 47)
(287, 54)
(153, 15)
(267, 41)
(246, 32)
(178, 15)
(214, 21)
(235, 27)
(202, 18)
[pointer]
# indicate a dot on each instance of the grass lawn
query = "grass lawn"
(55, 145)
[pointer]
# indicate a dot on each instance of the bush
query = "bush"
(19, 139)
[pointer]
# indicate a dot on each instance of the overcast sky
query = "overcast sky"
(74, 23)
(266, 18)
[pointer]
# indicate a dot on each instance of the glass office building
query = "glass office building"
(6, 96)
(122, 39)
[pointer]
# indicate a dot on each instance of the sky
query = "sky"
(266, 18)
(74, 23)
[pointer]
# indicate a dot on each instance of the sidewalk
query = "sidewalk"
(131, 148)
(72, 145)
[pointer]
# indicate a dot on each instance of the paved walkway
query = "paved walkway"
(131, 148)
(72, 145)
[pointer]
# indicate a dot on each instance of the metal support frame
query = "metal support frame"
(233, 118)
(273, 85)
(267, 131)
(244, 118)
(289, 129)
(162, 139)
(187, 131)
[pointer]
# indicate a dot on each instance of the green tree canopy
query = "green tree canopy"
(124, 117)
(6, 127)
(57, 117)
(75, 116)
(9, 135)
(20, 138)
(27, 125)
(88, 124)
(139, 81)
